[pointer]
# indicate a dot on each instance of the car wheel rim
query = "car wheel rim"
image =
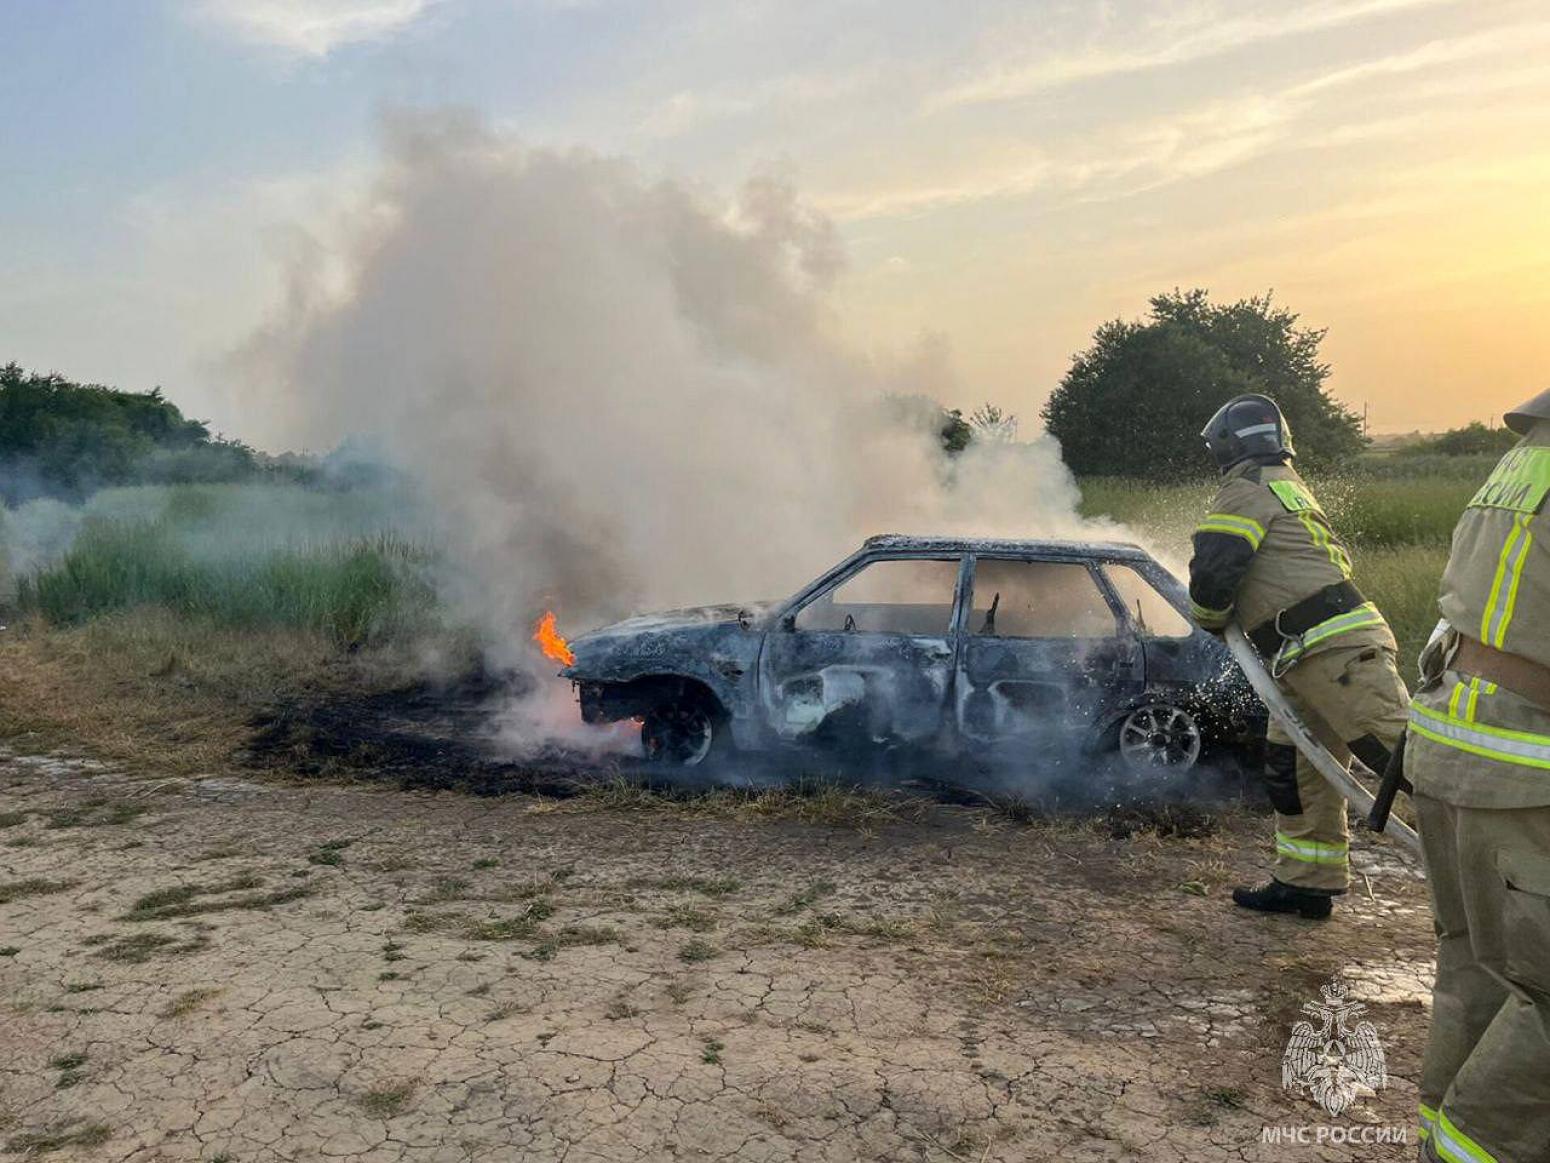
(678, 735)
(1160, 737)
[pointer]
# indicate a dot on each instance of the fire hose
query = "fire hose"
(1335, 772)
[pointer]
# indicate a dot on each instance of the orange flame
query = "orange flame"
(551, 641)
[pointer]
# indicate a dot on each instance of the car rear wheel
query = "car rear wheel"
(683, 733)
(1161, 738)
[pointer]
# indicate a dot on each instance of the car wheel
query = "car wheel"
(681, 734)
(1161, 737)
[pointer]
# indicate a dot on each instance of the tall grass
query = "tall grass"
(355, 591)
(1403, 581)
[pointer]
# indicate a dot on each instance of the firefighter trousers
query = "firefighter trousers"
(1354, 701)
(1485, 1081)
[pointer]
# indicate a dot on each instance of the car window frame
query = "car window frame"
(1123, 625)
(842, 573)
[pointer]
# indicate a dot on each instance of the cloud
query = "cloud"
(313, 28)
(1208, 33)
(1133, 158)
(1138, 156)
(687, 110)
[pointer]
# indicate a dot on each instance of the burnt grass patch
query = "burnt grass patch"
(425, 735)
(437, 734)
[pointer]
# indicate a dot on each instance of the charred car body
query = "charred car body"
(945, 647)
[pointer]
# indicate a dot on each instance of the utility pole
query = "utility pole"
(1366, 416)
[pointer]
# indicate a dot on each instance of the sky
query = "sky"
(1005, 175)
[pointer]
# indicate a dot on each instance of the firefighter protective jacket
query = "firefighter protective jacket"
(1267, 546)
(1496, 590)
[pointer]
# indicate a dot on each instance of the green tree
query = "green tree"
(1471, 440)
(955, 432)
(64, 439)
(1133, 403)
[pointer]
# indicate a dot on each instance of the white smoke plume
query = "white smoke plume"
(619, 393)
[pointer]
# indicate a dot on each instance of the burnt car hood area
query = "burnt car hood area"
(961, 654)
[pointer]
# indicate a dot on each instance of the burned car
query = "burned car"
(931, 646)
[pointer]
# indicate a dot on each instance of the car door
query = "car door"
(866, 658)
(1045, 651)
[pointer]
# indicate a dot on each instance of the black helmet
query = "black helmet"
(1523, 418)
(1248, 427)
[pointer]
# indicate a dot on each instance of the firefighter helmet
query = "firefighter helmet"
(1249, 427)
(1522, 418)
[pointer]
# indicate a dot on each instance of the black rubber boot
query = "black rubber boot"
(1276, 897)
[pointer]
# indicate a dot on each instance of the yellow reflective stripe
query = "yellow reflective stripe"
(1517, 580)
(1509, 575)
(1311, 851)
(1454, 1145)
(1516, 747)
(1453, 703)
(1322, 540)
(1360, 618)
(1208, 617)
(1246, 527)
(1474, 700)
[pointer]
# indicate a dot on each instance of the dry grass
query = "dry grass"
(191, 900)
(188, 1001)
(807, 801)
(697, 950)
(138, 948)
(33, 886)
(388, 1100)
(143, 688)
(149, 690)
(59, 1136)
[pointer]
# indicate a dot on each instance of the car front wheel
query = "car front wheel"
(682, 734)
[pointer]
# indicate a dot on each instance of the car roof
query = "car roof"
(913, 543)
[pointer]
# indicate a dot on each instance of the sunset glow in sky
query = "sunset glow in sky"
(1004, 175)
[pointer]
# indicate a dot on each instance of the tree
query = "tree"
(1472, 440)
(1133, 403)
(955, 432)
(63, 439)
(991, 425)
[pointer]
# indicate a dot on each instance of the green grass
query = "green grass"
(361, 590)
(1403, 581)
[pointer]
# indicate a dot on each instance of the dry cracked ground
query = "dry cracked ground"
(218, 969)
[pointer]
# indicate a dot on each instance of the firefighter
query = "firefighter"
(1267, 558)
(1478, 755)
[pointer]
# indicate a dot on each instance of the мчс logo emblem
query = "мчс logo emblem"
(1338, 1059)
